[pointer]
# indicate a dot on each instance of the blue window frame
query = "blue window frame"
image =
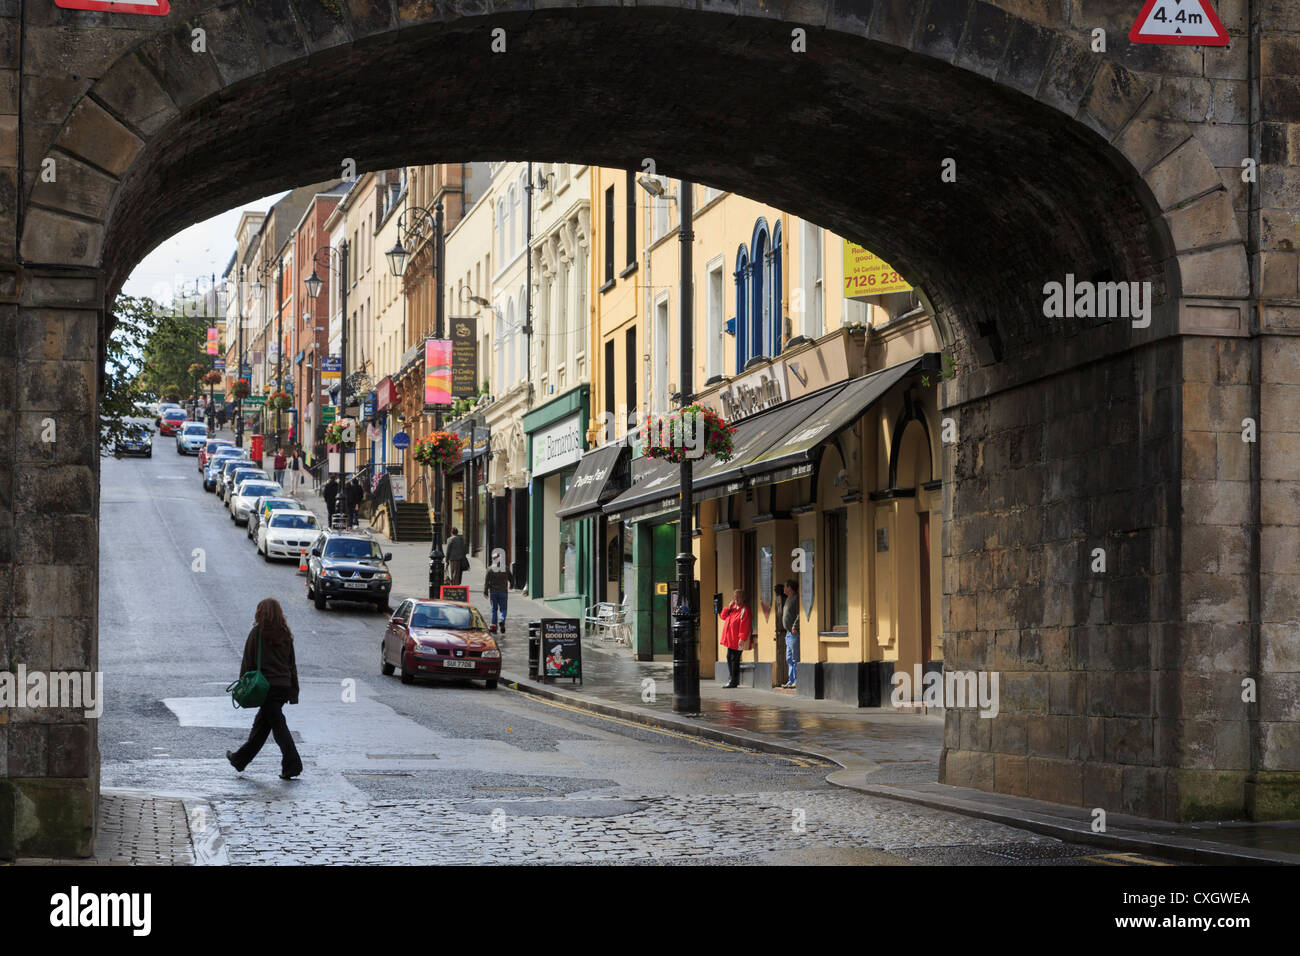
(742, 312)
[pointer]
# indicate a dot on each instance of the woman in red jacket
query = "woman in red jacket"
(735, 633)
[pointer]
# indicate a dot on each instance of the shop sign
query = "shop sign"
(557, 446)
(331, 366)
(561, 648)
(866, 274)
(387, 393)
(752, 393)
(464, 357)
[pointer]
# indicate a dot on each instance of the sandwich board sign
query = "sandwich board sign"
(157, 8)
(1189, 22)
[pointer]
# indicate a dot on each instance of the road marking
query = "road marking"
(714, 744)
(1124, 859)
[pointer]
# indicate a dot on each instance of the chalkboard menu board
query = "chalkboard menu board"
(454, 592)
(561, 648)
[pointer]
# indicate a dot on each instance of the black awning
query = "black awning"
(797, 444)
(591, 485)
(654, 488)
(756, 435)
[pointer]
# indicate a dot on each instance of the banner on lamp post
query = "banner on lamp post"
(437, 373)
(212, 341)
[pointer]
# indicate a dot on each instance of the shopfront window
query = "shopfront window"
(568, 542)
(837, 570)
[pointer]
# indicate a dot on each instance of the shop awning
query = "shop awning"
(591, 486)
(797, 444)
(654, 489)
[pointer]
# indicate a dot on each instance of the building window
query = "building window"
(507, 345)
(661, 349)
(630, 227)
(759, 303)
(837, 570)
(814, 301)
(713, 308)
(630, 357)
(775, 294)
(609, 236)
(610, 390)
(659, 209)
(741, 276)
(501, 229)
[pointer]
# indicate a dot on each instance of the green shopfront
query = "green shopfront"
(560, 571)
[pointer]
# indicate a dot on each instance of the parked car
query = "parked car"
(211, 445)
(191, 437)
(172, 420)
(439, 639)
(160, 409)
(264, 507)
(231, 476)
(286, 533)
(212, 474)
(137, 439)
(348, 566)
(248, 491)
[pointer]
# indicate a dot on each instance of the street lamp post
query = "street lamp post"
(424, 224)
(313, 283)
(686, 660)
(239, 365)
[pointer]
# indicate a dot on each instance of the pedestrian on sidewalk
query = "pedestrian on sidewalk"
(457, 556)
(279, 464)
(496, 588)
(735, 634)
(280, 669)
(331, 495)
(295, 467)
(354, 495)
(790, 621)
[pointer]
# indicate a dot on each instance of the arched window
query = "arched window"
(512, 218)
(742, 308)
(775, 292)
(760, 303)
(502, 227)
(507, 344)
(523, 209)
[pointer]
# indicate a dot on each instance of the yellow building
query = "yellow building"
(836, 450)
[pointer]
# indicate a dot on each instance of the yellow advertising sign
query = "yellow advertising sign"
(866, 274)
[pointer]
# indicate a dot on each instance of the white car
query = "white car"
(245, 496)
(286, 534)
(191, 438)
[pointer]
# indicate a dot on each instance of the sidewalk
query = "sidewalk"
(878, 751)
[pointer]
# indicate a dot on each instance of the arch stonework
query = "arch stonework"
(1121, 692)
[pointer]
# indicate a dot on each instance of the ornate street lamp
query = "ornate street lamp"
(314, 283)
(426, 225)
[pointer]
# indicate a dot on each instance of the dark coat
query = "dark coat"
(354, 493)
(279, 666)
(497, 581)
(456, 548)
(330, 493)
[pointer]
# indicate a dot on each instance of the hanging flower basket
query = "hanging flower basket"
(240, 390)
(279, 400)
(196, 369)
(212, 378)
(665, 437)
(440, 450)
(334, 434)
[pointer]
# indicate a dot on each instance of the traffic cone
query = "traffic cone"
(302, 560)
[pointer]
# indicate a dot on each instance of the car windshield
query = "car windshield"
(174, 414)
(353, 548)
(198, 428)
(279, 504)
(449, 617)
(293, 519)
(252, 489)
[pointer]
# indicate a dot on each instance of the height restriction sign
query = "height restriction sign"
(157, 8)
(1191, 22)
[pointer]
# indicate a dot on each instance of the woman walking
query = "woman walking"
(735, 634)
(281, 671)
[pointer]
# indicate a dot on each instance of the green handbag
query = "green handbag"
(251, 689)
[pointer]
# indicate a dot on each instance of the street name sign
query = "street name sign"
(1186, 22)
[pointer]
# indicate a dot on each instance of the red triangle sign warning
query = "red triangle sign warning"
(157, 8)
(1191, 22)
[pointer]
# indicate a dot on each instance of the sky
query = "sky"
(198, 252)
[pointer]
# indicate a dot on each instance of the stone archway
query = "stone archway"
(1067, 162)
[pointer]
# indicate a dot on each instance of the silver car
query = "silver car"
(191, 437)
(246, 494)
(287, 534)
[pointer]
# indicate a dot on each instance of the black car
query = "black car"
(136, 440)
(348, 566)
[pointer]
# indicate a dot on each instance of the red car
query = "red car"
(172, 420)
(439, 639)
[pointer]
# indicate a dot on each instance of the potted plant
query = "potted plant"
(240, 389)
(672, 437)
(279, 400)
(440, 450)
(212, 378)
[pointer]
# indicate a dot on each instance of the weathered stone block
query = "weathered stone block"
(1060, 781)
(70, 750)
(1011, 774)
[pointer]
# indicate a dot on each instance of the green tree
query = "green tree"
(172, 346)
(132, 324)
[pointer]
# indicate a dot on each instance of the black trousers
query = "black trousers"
(270, 722)
(733, 665)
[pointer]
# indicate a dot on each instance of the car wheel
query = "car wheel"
(490, 683)
(383, 606)
(385, 668)
(310, 593)
(266, 556)
(320, 601)
(407, 676)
